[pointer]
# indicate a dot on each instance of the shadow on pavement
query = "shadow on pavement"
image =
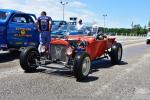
(89, 79)
(53, 71)
(101, 64)
(6, 57)
(65, 72)
(37, 70)
(123, 63)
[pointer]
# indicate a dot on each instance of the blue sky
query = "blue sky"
(121, 13)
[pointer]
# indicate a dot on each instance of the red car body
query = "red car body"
(75, 52)
(96, 48)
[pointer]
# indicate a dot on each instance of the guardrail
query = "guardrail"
(125, 40)
(134, 35)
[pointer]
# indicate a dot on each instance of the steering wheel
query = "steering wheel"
(99, 37)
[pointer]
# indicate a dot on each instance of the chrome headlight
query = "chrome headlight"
(69, 51)
(43, 49)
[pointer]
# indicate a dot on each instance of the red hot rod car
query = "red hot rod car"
(75, 52)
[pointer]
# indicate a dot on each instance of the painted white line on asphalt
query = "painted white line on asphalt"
(142, 91)
(128, 70)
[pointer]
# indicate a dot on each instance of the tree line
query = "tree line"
(135, 30)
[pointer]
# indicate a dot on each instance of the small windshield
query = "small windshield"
(3, 15)
(59, 30)
(69, 30)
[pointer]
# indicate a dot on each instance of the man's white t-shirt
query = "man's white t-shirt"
(80, 26)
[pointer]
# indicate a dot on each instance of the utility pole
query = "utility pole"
(63, 4)
(132, 30)
(104, 15)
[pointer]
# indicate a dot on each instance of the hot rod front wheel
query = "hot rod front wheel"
(82, 66)
(28, 59)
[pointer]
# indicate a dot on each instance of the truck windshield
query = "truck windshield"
(3, 16)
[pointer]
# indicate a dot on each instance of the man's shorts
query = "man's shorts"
(45, 38)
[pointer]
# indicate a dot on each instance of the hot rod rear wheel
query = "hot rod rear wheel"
(147, 41)
(116, 53)
(28, 59)
(82, 66)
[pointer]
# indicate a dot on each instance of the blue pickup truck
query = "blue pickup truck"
(17, 30)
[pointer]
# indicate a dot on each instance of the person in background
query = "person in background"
(44, 27)
(80, 25)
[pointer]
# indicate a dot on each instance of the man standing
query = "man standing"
(44, 27)
(80, 25)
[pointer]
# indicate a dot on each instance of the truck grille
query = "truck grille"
(58, 52)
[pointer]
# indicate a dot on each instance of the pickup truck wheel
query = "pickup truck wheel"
(116, 53)
(82, 66)
(28, 58)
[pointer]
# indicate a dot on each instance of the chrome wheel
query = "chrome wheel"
(86, 64)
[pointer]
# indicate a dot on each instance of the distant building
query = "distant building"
(73, 21)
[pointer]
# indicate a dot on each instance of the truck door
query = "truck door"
(3, 18)
(3, 43)
(22, 31)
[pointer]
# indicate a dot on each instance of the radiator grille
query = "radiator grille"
(58, 52)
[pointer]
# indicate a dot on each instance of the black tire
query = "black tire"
(80, 71)
(27, 59)
(147, 41)
(116, 53)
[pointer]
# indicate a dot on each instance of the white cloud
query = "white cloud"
(77, 4)
(54, 9)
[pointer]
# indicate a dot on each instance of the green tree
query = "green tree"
(137, 30)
